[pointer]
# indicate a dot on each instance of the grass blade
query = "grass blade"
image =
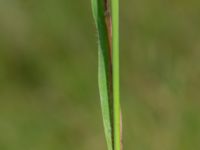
(105, 70)
(116, 90)
(108, 33)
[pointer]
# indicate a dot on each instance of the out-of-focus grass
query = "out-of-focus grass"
(160, 42)
(48, 91)
(48, 75)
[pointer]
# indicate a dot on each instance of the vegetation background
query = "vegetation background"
(48, 75)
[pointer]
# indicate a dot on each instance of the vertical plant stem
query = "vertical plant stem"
(115, 52)
(101, 17)
(108, 34)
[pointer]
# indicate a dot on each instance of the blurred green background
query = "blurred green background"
(48, 75)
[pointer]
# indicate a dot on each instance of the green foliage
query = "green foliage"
(108, 85)
(105, 95)
(116, 93)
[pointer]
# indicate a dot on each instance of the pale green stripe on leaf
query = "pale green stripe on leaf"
(115, 54)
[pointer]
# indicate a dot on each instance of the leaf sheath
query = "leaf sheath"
(105, 70)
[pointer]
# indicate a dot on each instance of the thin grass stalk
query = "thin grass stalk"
(116, 90)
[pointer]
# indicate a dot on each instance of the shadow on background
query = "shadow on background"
(48, 75)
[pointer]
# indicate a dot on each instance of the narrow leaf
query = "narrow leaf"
(105, 70)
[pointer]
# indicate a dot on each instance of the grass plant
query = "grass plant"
(106, 15)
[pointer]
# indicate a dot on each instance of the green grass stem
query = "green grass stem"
(116, 93)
